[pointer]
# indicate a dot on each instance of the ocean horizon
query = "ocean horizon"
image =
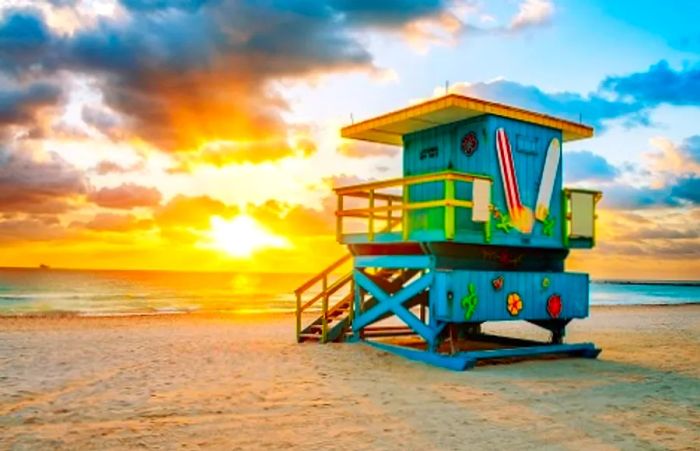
(102, 292)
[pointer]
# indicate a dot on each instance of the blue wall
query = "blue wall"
(529, 143)
(491, 305)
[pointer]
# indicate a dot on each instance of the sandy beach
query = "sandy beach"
(224, 382)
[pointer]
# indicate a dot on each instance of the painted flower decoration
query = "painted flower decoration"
(497, 283)
(554, 306)
(514, 304)
(545, 283)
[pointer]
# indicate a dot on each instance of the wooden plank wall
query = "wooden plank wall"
(529, 143)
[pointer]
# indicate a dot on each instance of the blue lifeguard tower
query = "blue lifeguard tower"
(476, 230)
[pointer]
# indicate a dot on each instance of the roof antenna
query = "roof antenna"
(352, 119)
(580, 118)
(447, 87)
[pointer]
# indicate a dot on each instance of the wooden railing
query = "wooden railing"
(568, 235)
(324, 295)
(394, 205)
(326, 292)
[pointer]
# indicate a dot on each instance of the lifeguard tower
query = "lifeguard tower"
(476, 230)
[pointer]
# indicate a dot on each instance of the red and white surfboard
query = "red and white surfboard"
(521, 217)
(510, 180)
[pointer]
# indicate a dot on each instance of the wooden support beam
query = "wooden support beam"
(449, 210)
(370, 234)
(339, 219)
(394, 304)
(324, 311)
(298, 322)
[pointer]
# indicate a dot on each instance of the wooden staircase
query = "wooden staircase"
(334, 322)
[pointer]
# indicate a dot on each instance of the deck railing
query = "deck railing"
(578, 207)
(392, 207)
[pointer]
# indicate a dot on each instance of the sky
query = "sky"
(204, 134)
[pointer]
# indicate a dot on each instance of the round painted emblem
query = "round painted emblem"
(469, 144)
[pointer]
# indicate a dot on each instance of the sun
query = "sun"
(242, 236)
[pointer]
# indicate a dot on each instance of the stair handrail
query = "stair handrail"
(326, 292)
(323, 273)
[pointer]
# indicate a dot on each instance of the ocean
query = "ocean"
(108, 293)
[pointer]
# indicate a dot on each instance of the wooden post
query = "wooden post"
(298, 328)
(422, 312)
(404, 214)
(324, 308)
(565, 218)
(449, 209)
(370, 235)
(339, 219)
(351, 313)
(389, 215)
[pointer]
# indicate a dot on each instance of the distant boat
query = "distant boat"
(43, 266)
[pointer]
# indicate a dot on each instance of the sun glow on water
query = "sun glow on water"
(242, 236)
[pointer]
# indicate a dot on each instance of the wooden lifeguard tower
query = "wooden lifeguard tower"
(477, 230)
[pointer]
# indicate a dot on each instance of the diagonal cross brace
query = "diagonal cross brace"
(393, 303)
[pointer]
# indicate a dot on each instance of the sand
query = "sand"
(196, 381)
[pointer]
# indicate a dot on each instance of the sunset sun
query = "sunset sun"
(242, 236)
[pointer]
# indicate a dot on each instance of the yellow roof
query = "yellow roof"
(389, 128)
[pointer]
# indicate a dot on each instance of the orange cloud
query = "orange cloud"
(193, 212)
(126, 196)
(109, 222)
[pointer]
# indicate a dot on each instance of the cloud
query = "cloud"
(192, 212)
(532, 13)
(31, 228)
(687, 189)
(592, 109)
(296, 220)
(126, 196)
(24, 40)
(19, 106)
(585, 165)
(110, 167)
(630, 97)
(659, 84)
(110, 222)
(37, 185)
(362, 149)
(187, 73)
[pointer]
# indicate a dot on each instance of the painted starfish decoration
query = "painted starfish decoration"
(548, 225)
(504, 223)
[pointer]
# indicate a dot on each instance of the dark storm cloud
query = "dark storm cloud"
(585, 165)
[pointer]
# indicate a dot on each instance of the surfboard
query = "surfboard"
(520, 216)
(549, 173)
(508, 175)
